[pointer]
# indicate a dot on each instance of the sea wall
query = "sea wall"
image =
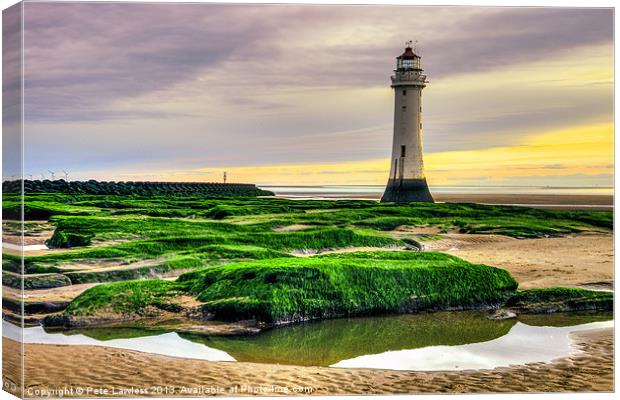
(136, 188)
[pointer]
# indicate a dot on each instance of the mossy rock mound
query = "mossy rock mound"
(62, 239)
(551, 300)
(34, 281)
(284, 290)
(121, 302)
(127, 297)
(292, 290)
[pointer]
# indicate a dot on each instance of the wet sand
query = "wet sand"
(58, 294)
(584, 260)
(74, 367)
(548, 201)
(577, 261)
(553, 201)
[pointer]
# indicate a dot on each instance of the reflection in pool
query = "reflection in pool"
(328, 342)
(438, 341)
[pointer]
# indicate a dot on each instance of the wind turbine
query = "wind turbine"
(66, 175)
(53, 175)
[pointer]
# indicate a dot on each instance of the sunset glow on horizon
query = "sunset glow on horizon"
(554, 154)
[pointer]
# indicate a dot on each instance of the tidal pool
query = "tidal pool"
(30, 247)
(421, 342)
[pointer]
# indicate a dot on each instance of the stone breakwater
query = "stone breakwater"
(136, 188)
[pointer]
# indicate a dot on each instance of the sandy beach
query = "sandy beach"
(571, 261)
(553, 201)
(113, 371)
(584, 260)
(547, 201)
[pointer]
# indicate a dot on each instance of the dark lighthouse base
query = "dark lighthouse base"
(407, 190)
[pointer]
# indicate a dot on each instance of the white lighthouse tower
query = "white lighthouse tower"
(407, 181)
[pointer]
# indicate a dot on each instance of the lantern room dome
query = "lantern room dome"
(408, 54)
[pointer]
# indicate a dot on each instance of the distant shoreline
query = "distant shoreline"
(442, 186)
(547, 201)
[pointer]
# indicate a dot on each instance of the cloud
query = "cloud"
(548, 166)
(11, 92)
(177, 87)
(578, 156)
(80, 58)
(504, 36)
(11, 64)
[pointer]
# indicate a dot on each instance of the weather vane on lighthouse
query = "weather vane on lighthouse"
(411, 44)
(407, 181)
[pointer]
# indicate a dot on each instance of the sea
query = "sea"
(560, 197)
(375, 191)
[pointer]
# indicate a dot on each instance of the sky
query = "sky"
(300, 94)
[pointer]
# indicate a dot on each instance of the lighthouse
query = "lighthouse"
(407, 182)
